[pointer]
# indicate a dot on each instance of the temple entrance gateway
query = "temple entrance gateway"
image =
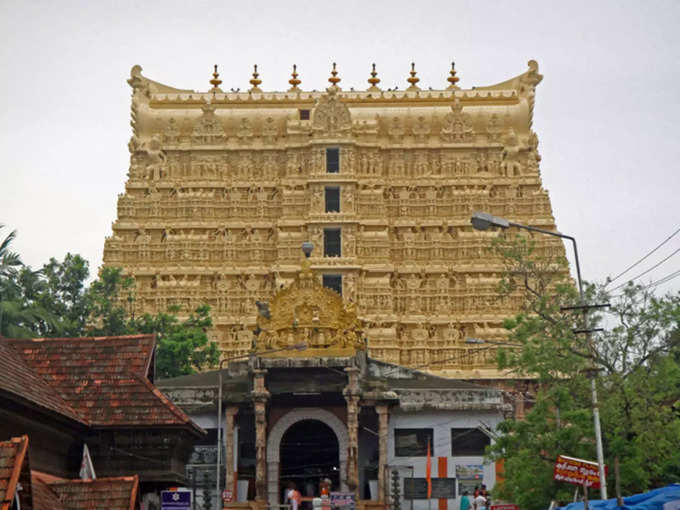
(309, 453)
(276, 438)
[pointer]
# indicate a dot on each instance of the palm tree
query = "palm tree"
(19, 317)
(10, 262)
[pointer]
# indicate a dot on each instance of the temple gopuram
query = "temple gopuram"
(224, 187)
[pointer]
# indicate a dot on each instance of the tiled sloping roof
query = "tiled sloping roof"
(45, 498)
(12, 455)
(103, 378)
(17, 378)
(118, 493)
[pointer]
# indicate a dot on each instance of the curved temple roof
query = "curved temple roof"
(506, 91)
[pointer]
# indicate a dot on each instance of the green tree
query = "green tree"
(19, 317)
(183, 346)
(55, 301)
(65, 294)
(10, 262)
(638, 381)
(111, 301)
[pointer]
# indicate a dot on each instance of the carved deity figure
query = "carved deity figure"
(395, 129)
(331, 116)
(269, 130)
(494, 128)
(171, 132)
(347, 200)
(455, 126)
(245, 131)
(208, 129)
(420, 129)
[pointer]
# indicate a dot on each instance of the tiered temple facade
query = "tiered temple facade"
(224, 188)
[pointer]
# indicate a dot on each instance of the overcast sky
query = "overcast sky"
(606, 112)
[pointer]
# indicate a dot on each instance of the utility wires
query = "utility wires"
(643, 258)
(656, 283)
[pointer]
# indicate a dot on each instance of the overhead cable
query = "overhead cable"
(648, 270)
(643, 258)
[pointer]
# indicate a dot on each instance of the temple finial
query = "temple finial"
(334, 78)
(294, 82)
(374, 80)
(453, 79)
(413, 80)
(254, 81)
(215, 82)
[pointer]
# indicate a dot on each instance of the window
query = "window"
(412, 442)
(332, 160)
(332, 199)
(304, 114)
(468, 442)
(333, 282)
(331, 242)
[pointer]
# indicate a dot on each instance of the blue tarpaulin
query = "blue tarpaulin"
(652, 500)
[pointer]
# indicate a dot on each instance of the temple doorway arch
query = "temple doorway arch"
(276, 436)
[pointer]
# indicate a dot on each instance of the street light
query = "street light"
(295, 347)
(484, 221)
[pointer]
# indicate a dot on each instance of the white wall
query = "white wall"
(441, 422)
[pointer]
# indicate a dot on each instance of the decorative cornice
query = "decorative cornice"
(353, 99)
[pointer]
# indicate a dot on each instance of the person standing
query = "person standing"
(293, 496)
(465, 501)
(480, 502)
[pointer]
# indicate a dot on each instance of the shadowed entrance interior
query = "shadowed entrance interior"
(309, 453)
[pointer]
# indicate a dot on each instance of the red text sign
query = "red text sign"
(577, 471)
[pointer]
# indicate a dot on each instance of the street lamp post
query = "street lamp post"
(484, 221)
(296, 347)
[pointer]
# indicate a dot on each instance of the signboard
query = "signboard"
(469, 471)
(577, 471)
(227, 496)
(344, 500)
(504, 507)
(175, 500)
(442, 488)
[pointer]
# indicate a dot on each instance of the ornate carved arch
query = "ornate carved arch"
(296, 415)
(274, 445)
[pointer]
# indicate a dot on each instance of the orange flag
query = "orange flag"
(428, 471)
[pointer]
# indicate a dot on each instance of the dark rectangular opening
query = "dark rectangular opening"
(331, 242)
(332, 199)
(333, 282)
(412, 442)
(332, 160)
(304, 114)
(468, 442)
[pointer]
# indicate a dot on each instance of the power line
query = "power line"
(665, 279)
(660, 281)
(643, 258)
(648, 270)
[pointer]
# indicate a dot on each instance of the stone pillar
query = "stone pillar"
(383, 418)
(352, 394)
(229, 415)
(260, 397)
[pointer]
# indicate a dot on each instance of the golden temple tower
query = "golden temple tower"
(224, 187)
